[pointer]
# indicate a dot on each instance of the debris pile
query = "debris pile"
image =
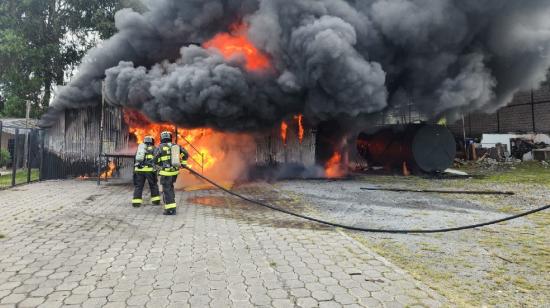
(521, 147)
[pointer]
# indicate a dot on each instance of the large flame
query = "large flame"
(334, 168)
(221, 156)
(201, 157)
(237, 43)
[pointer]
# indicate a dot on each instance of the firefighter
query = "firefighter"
(169, 169)
(144, 170)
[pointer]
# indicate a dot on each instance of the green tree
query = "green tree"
(5, 158)
(40, 40)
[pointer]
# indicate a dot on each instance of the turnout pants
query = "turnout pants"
(139, 183)
(168, 192)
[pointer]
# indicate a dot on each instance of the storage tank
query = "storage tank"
(424, 147)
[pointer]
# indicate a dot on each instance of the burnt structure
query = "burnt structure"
(272, 150)
(72, 144)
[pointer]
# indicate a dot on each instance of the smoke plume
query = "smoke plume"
(329, 59)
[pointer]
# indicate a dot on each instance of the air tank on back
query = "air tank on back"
(423, 147)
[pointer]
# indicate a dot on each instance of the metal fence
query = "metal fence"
(21, 155)
(529, 112)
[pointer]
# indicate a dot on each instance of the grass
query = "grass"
(20, 177)
(525, 173)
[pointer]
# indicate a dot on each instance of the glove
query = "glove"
(184, 165)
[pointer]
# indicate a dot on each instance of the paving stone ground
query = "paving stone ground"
(73, 244)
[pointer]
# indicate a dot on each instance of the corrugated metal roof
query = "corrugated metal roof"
(10, 124)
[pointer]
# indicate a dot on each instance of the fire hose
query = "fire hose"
(369, 230)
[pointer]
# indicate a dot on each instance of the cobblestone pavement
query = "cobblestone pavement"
(74, 244)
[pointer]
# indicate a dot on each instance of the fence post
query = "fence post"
(1, 133)
(466, 153)
(42, 154)
(533, 110)
(14, 159)
(29, 137)
(498, 121)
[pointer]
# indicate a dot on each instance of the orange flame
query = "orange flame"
(202, 157)
(334, 167)
(237, 43)
(300, 119)
(284, 130)
(111, 167)
(222, 157)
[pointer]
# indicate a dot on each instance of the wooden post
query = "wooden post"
(26, 145)
(14, 158)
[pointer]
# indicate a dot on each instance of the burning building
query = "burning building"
(77, 143)
(263, 72)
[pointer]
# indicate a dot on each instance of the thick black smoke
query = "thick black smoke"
(331, 59)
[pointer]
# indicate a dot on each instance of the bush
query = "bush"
(5, 158)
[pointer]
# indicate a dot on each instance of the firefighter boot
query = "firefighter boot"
(155, 200)
(170, 212)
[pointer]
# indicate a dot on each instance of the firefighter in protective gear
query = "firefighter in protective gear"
(169, 169)
(144, 170)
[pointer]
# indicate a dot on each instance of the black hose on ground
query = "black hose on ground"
(468, 192)
(394, 231)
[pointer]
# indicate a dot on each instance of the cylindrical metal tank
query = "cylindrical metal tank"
(427, 148)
